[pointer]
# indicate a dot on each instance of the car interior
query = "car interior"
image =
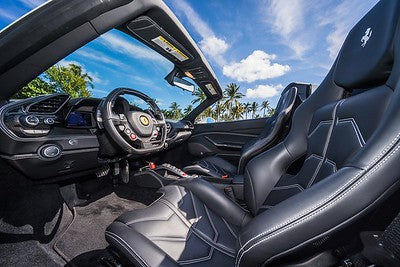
(92, 181)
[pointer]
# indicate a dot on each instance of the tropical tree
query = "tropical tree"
(69, 79)
(237, 112)
(254, 108)
(265, 106)
(246, 108)
(35, 88)
(188, 109)
(200, 96)
(219, 109)
(175, 111)
(232, 96)
(271, 112)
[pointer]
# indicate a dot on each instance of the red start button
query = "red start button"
(132, 136)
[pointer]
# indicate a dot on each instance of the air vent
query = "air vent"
(48, 105)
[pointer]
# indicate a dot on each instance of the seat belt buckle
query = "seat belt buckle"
(229, 192)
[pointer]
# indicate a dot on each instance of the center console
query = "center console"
(158, 176)
(153, 176)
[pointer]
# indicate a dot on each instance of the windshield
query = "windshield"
(114, 60)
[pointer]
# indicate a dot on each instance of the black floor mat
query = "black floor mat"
(85, 236)
(30, 218)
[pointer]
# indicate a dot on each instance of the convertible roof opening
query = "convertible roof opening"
(27, 48)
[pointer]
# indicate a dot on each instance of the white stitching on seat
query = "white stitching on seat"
(319, 125)
(121, 241)
(386, 149)
(356, 129)
(241, 252)
(327, 141)
(283, 187)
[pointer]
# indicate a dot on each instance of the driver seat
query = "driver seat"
(273, 131)
(349, 130)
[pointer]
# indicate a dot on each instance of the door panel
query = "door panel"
(224, 139)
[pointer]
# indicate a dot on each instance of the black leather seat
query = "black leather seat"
(349, 130)
(272, 132)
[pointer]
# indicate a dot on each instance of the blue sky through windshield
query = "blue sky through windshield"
(262, 45)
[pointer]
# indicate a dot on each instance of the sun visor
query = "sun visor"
(157, 38)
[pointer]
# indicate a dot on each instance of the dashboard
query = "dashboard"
(54, 136)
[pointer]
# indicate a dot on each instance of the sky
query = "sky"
(262, 45)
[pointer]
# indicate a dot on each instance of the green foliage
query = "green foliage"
(230, 108)
(35, 88)
(69, 79)
(174, 112)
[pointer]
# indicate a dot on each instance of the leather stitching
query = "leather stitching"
(123, 243)
(327, 141)
(318, 208)
(197, 232)
(354, 124)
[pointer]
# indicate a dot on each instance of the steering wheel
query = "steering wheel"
(136, 132)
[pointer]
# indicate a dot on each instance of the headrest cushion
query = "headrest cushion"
(366, 57)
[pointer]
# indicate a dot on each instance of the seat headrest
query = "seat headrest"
(366, 57)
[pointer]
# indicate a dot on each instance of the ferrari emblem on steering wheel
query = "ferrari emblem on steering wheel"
(144, 120)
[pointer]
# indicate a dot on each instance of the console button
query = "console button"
(48, 121)
(30, 120)
(50, 151)
(132, 136)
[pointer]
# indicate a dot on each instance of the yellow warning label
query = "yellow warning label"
(211, 88)
(170, 48)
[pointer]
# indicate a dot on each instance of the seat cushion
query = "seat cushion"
(181, 228)
(212, 166)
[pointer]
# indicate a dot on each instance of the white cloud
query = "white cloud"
(342, 18)
(211, 45)
(98, 56)
(264, 91)
(286, 18)
(121, 45)
(6, 14)
(215, 48)
(32, 3)
(257, 66)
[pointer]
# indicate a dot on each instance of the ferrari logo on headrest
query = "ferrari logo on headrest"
(144, 120)
(366, 37)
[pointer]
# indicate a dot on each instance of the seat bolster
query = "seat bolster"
(137, 248)
(329, 205)
(216, 201)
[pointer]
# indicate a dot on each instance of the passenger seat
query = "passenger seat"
(273, 132)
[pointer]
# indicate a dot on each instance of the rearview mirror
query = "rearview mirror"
(183, 84)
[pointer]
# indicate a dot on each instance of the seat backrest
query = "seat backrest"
(349, 130)
(273, 128)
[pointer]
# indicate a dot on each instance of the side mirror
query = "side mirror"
(183, 84)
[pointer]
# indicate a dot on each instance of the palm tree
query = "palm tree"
(265, 106)
(188, 109)
(219, 110)
(175, 111)
(200, 96)
(232, 95)
(271, 112)
(254, 108)
(237, 112)
(246, 108)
